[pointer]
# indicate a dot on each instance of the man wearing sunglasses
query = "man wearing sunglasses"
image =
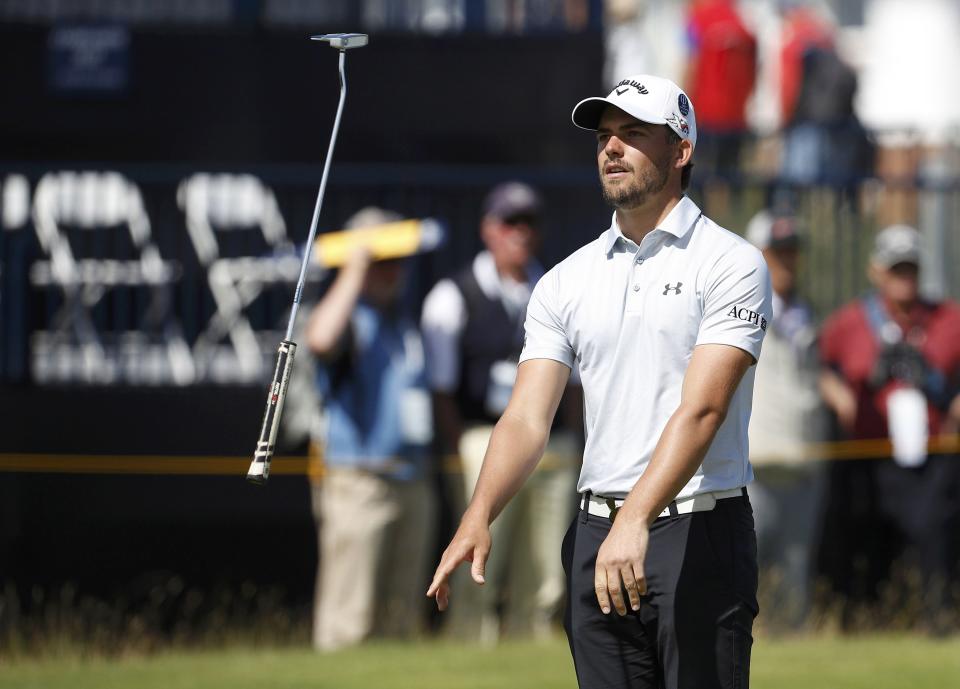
(473, 334)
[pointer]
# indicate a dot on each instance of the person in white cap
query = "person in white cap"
(788, 416)
(473, 333)
(891, 361)
(373, 500)
(664, 314)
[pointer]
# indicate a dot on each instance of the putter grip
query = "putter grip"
(260, 466)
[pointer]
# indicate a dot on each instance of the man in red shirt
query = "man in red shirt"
(877, 510)
(803, 30)
(720, 78)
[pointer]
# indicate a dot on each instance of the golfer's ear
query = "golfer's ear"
(684, 153)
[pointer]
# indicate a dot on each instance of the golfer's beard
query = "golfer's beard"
(634, 195)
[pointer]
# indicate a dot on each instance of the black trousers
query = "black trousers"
(694, 626)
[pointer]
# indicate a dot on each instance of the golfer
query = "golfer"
(664, 313)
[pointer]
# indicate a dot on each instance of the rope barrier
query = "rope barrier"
(178, 465)
(144, 464)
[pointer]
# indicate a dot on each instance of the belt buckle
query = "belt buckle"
(612, 506)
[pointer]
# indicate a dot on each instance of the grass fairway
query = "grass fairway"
(892, 662)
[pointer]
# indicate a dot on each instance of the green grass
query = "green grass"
(875, 662)
(867, 662)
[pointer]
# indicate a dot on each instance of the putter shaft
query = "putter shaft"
(259, 469)
(316, 209)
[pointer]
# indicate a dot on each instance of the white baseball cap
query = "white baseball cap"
(896, 244)
(648, 98)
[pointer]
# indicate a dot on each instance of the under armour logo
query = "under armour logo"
(676, 290)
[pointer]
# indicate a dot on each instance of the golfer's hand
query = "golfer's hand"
(620, 560)
(471, 544)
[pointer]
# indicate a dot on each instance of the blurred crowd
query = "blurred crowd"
(864, 530)
(791, 87)
(857, 490)
(856, 413)
(408, 410)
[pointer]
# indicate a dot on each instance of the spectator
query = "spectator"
(721, 76)
(803, 29)
(879, 353)
(473, 332)
(373, 503)
(823, 139)
(786, 490)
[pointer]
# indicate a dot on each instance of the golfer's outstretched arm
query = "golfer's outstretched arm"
(515, 448)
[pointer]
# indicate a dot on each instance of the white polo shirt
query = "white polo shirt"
(630, 317)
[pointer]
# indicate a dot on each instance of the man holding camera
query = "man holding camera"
(891, 369)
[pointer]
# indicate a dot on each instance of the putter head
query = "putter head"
(342, 41)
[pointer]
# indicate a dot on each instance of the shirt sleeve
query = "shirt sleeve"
(544, 334)
(737, 301)
(443, 320)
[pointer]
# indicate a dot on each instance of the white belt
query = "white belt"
(599, 506)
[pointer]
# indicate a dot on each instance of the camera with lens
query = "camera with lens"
(902, 363)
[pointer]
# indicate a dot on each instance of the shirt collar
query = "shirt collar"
(491, 282)
(678, 222)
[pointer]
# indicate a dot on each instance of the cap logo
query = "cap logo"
(683, 104)
(628, 83)
(679, 123)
